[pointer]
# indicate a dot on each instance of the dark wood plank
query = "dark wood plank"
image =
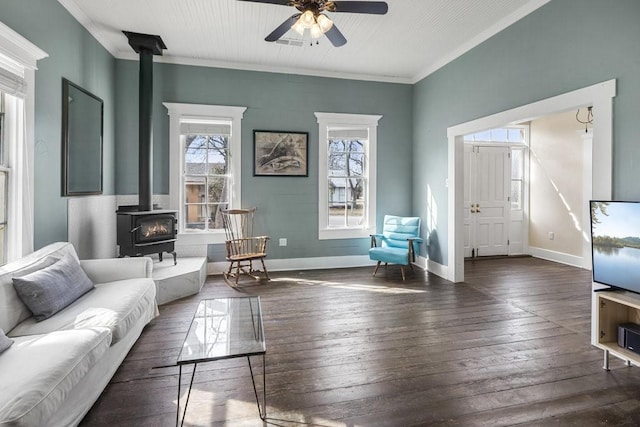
(510, 346)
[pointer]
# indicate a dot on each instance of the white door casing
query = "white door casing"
(599, 95)
(469, 172)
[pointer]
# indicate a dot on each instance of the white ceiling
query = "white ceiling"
(415, 38)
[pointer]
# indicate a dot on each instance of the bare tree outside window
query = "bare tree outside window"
(206, 179)
(346, 164)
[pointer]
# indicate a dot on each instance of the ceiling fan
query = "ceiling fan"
(311, 17)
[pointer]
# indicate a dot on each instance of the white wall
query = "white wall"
(92, 223)
(556, 190)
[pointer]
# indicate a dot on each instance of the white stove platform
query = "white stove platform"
(178, 281)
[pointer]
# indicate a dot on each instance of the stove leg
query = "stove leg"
(175, 261)
(160, 256)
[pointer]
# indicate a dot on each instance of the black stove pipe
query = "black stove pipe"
(146, 46)
(145, 132)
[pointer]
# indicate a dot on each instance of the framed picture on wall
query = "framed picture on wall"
(280, 153)
(82, 131)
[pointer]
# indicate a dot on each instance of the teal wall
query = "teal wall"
(563, 46)
(76, 55)
(288, 207)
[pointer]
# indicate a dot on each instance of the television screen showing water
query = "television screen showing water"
(615, 230)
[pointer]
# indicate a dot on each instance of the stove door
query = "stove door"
(155, 228)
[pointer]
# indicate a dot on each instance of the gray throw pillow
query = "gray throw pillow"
(51, 289)
(5, 342)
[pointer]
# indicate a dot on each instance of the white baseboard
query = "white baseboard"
(301, 263)
(433, 267)
(317, 263)
(562, 258)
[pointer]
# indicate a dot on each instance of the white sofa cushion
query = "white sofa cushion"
(52, 288)
(114, 269)
(5, 342)
(115, 305)
(39, 371)
(12, 309)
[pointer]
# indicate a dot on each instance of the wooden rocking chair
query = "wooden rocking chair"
(242, 246)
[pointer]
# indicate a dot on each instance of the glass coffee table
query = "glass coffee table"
(224, 328)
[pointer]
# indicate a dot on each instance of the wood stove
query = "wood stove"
(146, 232)
(143, 229)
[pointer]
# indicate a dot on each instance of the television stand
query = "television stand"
(613, 309)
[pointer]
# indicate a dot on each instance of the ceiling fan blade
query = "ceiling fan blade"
(335, 36)
(372, 7)
(281, 2)
(283, 28)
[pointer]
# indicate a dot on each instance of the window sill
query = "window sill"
(344, 233)
(201, 237)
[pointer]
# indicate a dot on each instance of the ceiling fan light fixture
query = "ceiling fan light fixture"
(307, 19)
(324, 22)
(310, 16)
(298, 27)
(316, 31)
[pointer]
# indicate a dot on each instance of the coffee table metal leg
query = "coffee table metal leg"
(264, 386)
(178, 404)
(184, 412)
(263, 411)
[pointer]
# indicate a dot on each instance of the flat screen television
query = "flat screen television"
(615, 244)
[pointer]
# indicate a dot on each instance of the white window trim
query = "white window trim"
(326, 120)
(177, 112)
(22, 56)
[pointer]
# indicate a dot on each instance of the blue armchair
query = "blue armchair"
(398, 242)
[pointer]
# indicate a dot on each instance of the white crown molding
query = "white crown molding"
(73, 8)
(211, 63)
(93, 29)
(75, 11)
(507, 21)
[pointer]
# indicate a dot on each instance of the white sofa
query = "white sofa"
(56, 368)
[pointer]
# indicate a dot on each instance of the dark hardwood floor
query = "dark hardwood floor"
(510, 346)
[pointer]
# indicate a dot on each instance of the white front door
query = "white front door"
(486, 202)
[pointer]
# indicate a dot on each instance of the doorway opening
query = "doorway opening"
(599, 96)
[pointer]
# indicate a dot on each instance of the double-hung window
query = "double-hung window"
(18, 65)
(206, 179)
(205, 175)
(4, 187)
(347, 175)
